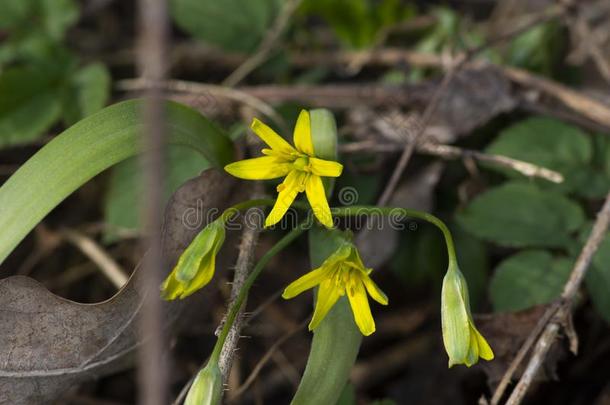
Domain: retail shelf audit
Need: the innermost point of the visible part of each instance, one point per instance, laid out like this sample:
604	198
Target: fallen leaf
50	344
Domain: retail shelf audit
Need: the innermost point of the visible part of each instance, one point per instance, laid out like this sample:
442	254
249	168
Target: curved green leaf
336	340
85	150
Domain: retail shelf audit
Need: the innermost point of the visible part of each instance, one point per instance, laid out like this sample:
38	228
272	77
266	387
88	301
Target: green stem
281	244
360	210
401	212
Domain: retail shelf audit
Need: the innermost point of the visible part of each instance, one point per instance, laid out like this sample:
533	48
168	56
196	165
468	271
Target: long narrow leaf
85	150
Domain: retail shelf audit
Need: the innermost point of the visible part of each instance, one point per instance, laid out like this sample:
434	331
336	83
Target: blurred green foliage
233	25
41	81
357	23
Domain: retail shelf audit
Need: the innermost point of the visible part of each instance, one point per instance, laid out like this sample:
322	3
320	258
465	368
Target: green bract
207	387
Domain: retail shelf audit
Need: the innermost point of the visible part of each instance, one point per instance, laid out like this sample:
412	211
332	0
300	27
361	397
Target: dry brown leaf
50	344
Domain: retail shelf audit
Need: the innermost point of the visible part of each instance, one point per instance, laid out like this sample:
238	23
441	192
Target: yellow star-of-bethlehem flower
303	170
341	273
463	342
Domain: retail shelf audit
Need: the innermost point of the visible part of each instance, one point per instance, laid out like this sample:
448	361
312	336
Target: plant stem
281	244
357	210
401	212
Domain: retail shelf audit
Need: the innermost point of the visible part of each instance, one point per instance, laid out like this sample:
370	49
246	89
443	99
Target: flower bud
196	265
463	342
207	387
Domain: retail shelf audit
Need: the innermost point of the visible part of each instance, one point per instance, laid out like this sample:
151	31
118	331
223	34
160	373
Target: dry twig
242	269
454	152
98	255
265	359
551	330
152	369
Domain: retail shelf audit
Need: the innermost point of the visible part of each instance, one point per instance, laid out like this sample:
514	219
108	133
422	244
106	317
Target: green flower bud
463	342
207	387
196	265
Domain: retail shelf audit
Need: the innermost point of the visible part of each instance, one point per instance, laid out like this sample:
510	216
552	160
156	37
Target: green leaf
125	189
521	215
85	150
336	340
528	278
29	105
474	264
598	276
348	396
86	93
549	143
537	49
53	17
235	25
56	15
358	22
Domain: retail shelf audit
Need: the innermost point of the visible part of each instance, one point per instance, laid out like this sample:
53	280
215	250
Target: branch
550	332
454	152
152	365
109	267
242	269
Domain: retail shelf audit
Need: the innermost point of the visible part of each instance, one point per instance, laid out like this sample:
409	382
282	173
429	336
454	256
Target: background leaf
125	189
521	215
528	278
87	92
29	105
549	143
85	150
236	25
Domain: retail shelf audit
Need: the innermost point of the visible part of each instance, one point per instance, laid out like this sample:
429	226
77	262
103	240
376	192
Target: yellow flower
463	342
341	273
196	265
303	170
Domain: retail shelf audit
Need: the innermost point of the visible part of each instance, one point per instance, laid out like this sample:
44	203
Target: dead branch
454	152
552	328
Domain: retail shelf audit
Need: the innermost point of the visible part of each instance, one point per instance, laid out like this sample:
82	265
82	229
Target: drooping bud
207	387
463	342
195	267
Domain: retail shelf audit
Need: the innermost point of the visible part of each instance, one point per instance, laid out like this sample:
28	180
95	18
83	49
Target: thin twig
423	124
266	46
152	364
185	389
265	359
454	152
209	90
243	266
547	338
523	350
109	267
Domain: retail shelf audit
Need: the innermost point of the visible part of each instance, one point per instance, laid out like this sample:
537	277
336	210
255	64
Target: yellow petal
360	307
302	134
270	137
374	291
305	282
317	199
328	294
485	351
290	189
171	288
325	168
261	168
203	277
